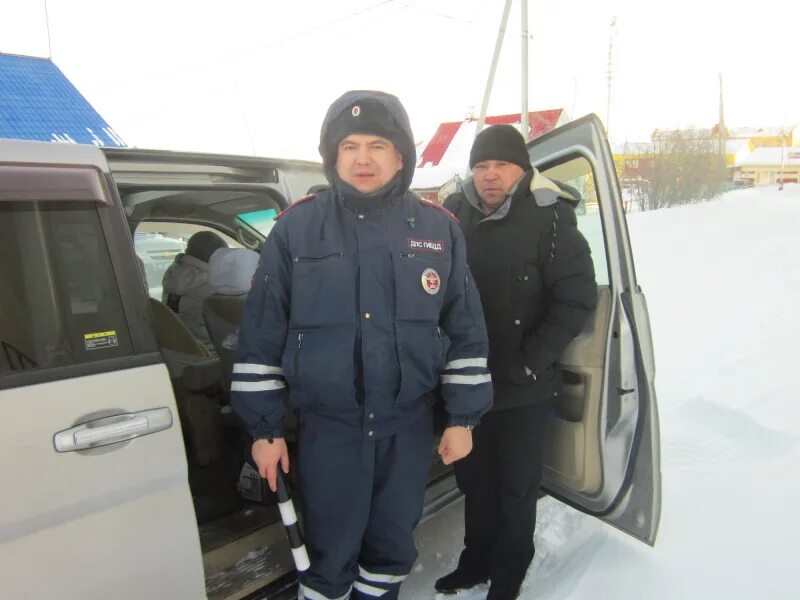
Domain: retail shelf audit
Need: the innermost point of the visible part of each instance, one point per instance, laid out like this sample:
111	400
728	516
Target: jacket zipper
263	303
297	355
441	343
466	294
299	259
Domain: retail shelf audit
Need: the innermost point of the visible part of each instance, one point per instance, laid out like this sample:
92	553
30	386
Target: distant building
752	154
38	102
444	159
763	155
633	160
765	137
768	166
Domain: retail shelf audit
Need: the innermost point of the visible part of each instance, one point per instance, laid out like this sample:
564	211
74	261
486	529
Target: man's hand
456	444
267	455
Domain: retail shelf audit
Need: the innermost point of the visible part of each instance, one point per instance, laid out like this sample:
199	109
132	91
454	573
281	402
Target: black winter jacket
535	275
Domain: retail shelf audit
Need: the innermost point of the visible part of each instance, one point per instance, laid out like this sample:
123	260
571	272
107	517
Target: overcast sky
255	77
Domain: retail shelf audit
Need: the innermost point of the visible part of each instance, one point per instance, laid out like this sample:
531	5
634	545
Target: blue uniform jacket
392	280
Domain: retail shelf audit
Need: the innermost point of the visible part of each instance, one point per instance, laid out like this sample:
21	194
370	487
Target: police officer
536	278
362	305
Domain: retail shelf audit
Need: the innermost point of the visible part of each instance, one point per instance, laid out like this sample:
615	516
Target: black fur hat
368	112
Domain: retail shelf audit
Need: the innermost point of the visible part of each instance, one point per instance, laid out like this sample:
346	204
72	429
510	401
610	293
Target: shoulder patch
438	207
295	203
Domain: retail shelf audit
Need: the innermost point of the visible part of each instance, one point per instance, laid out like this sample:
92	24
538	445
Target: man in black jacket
534	272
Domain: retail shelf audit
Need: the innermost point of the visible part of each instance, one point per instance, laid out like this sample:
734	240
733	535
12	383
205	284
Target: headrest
230	270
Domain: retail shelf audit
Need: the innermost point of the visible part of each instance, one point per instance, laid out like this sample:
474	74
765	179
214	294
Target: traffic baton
289	518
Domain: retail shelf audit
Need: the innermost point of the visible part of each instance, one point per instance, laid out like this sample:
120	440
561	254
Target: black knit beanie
203	244
500	142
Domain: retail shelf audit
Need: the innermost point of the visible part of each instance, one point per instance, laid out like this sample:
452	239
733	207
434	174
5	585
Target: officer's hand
456	444
267	456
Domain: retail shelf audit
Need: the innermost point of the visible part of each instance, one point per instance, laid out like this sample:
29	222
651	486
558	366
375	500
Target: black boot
460	579
498	591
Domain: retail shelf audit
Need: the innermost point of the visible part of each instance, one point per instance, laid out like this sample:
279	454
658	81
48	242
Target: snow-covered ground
722	281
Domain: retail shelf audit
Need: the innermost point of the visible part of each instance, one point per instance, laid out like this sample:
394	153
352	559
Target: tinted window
59	302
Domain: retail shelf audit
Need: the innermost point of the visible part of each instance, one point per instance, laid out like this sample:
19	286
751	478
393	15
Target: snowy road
722	281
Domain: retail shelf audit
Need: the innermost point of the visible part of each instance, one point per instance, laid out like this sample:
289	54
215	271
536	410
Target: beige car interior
572	449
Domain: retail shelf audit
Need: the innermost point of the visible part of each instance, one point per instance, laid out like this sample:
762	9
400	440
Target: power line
235	55
610	72
316	28
442	15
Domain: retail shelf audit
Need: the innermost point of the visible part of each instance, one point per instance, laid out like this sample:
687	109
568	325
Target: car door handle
110	430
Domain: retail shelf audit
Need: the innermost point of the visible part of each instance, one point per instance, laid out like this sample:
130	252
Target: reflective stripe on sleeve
463	363
257	386
466	379
256	369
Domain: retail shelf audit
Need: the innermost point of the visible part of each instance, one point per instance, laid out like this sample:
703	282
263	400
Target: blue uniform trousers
362	498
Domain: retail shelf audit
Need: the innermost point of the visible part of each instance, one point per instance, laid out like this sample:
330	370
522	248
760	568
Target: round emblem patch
356	111
430	281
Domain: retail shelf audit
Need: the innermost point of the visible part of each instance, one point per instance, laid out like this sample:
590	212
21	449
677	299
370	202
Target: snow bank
722	281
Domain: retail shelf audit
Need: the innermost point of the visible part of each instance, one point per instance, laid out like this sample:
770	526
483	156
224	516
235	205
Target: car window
158	243
59	301
261	220
577	172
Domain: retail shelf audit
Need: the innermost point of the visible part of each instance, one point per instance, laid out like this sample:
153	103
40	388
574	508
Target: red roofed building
446	154
539	123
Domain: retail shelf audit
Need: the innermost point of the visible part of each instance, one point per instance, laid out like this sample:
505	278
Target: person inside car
186	283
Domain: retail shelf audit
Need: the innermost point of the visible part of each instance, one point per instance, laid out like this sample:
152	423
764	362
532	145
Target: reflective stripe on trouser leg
377	585
306	593
370	577
388	551
335	474
365	589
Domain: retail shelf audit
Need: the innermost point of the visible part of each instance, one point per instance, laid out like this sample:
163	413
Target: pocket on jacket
526	282
323	289
505	358
318	366
422	350
420	281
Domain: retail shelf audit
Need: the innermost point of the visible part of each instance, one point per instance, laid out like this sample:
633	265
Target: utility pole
721	136
783	156
610	73
47	24
524	111
490	80
721	132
